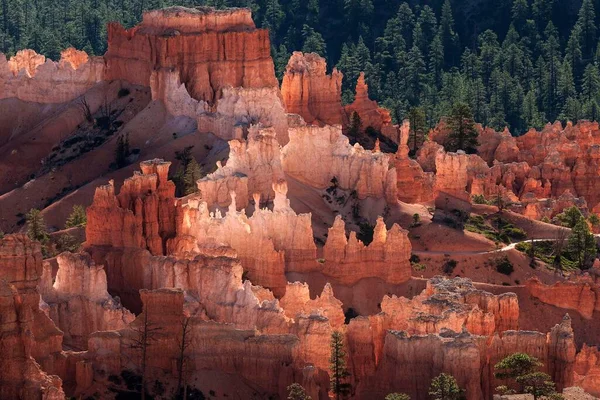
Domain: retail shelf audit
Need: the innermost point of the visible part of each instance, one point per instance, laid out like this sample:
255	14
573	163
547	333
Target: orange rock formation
211	49
307	90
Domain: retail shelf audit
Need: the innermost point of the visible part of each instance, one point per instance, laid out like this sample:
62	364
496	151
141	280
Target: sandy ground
150	129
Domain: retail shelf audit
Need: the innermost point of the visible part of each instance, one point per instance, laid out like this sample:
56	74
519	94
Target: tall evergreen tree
337	367
448	35
463	135
586	22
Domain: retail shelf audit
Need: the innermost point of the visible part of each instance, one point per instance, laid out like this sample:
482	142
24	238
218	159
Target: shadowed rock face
29	342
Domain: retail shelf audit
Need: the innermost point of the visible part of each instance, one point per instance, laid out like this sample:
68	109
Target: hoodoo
176	223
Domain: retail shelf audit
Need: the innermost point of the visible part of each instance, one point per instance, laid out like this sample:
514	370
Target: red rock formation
411	362
538	165
297	302
371	115
349	260
452	304
414	185
253	166
307	90
587	370
142	215
266	243
78	301
29	342
582	295
271	362
211	49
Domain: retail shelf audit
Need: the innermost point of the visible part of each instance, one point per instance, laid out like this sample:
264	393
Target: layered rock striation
31	77
310	92
78	300
315	155
212	49
30	344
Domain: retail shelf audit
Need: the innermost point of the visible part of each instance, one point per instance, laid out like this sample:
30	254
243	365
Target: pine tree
280	59
521	369
36	226
463	135
337	366
416	116
416	74
566	83
297	392
193	172
77	217
590	82
273	16
586	22
531	115
313	41
448	36
355	126
573	50
444	387
582	244
542	12
519	12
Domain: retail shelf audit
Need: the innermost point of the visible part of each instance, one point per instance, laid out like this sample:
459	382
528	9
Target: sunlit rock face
211	49
31	77
308	91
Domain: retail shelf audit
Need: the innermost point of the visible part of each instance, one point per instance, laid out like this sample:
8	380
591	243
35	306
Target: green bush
449	266
504	266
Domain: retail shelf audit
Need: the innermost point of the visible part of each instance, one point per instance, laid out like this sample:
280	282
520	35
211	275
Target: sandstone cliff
30	344
348	260
252	167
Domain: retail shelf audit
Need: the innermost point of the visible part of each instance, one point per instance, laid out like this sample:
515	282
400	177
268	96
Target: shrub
416	219
504	266
123	92
449	266
67	242
514	233
480	199
77	217
415	259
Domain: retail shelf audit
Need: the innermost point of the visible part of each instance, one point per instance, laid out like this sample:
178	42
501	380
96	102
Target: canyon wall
30	344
